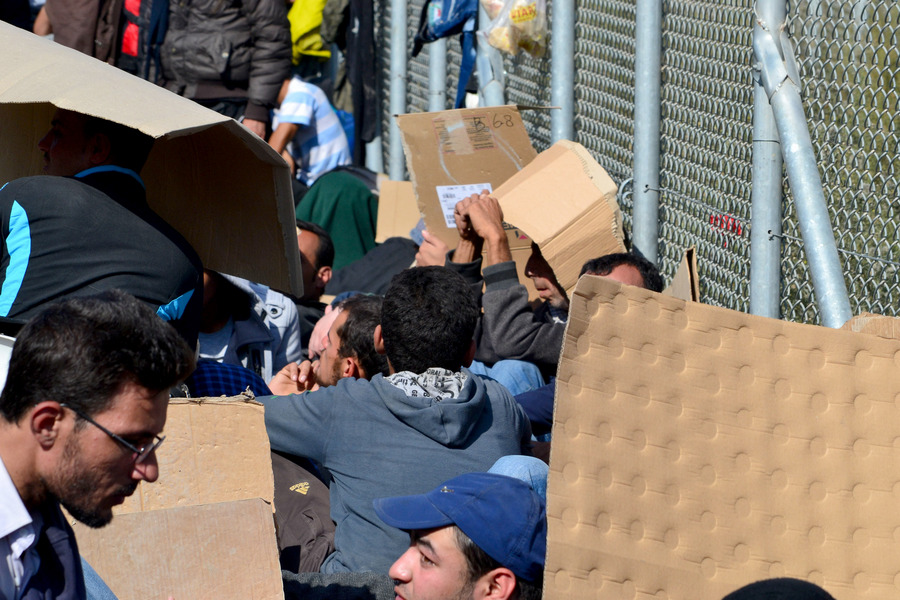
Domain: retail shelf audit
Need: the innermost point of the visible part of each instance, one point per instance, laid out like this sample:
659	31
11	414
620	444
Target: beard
77	487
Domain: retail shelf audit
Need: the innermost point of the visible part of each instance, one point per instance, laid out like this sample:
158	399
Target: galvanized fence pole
437	75
780	78
488	66
647	61
562	71
766	195
398	86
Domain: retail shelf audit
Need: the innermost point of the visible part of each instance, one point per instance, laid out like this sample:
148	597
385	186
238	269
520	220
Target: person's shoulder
45	190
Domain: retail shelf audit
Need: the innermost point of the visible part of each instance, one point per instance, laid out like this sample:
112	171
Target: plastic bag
517	25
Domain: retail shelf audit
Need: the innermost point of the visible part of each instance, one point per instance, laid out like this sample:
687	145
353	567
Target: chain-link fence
849	57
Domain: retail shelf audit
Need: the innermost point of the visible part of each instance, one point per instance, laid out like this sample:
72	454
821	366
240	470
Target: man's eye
426	561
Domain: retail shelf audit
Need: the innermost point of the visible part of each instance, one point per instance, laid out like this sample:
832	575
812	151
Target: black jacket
228	49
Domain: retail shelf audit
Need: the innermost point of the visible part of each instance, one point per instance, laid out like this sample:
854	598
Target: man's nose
44	143
148	470
400	571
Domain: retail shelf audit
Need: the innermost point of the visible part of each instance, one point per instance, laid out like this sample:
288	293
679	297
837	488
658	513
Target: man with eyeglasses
81	417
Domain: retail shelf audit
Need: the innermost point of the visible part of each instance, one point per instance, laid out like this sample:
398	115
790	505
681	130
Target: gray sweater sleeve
513	328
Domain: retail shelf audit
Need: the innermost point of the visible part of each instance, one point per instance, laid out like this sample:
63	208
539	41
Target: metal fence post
647	75
780	79
489	66
437	75
398	86
766	194
562	71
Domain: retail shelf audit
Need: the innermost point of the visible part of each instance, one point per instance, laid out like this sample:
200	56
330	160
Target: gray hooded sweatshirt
377	442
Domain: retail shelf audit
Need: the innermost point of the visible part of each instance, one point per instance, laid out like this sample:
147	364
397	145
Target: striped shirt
320	144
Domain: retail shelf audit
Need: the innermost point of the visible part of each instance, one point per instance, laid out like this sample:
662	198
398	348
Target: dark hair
83	350
428	319
363	315
325	251
129	147
605	264
478	563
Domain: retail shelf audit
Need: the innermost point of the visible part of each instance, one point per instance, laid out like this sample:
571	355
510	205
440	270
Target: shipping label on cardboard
480	147
450	195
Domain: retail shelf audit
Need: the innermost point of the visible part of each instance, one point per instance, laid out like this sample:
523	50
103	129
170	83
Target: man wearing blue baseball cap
479	535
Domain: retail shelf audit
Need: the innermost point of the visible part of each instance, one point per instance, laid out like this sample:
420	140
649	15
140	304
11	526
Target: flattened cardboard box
698	449
466	147
205	529
685	284
398	212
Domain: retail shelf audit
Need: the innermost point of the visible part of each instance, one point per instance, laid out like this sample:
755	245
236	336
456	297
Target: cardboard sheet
698	449
685	284
566	203
215	450
223	551
465	148
208	176
398	212
886	327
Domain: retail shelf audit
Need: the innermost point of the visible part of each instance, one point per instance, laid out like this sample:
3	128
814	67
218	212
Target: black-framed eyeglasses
141	454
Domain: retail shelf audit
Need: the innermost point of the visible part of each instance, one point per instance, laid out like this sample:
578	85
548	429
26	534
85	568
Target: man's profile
476	536
81	418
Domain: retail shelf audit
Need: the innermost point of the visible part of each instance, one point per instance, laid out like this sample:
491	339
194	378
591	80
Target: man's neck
16	451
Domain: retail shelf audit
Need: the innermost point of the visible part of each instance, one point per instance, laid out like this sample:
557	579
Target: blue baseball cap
502	515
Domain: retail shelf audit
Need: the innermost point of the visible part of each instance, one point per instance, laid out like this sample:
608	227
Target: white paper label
449	195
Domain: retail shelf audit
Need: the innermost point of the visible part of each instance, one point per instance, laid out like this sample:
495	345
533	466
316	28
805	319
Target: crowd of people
420	401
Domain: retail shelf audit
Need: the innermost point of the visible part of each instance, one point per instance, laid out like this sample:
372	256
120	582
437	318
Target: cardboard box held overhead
698	449
566	203
207	175
456	153
205	529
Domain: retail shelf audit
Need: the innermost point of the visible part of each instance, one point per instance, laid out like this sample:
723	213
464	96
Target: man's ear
498	584
350	368
100	148
323	276
378	340
44	421
470	355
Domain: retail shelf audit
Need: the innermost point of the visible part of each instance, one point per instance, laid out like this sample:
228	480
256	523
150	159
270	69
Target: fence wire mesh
849	57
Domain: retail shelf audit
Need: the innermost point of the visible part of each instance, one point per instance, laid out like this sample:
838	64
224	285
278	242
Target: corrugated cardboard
466	147
697	449
685	284
886	327
566	203
207	552
208	176
398	212
216	450
205	529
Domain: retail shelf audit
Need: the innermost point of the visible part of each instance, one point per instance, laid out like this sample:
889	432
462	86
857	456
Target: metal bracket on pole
780	79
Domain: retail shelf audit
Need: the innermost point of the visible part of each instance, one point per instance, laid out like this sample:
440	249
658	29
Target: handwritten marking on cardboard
465	135
449	195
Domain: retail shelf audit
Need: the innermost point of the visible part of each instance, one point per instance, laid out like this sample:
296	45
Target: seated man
479	535
349	350
247	324
316	260
88	228
510	328
429	420
80	416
